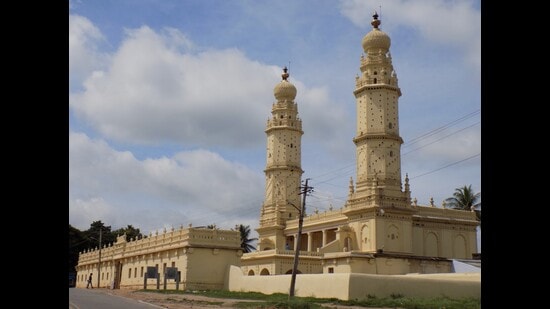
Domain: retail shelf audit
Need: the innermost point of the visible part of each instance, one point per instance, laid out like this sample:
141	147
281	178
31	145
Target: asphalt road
101	299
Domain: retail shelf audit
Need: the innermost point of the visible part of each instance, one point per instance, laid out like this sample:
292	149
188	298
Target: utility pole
99	260
305	190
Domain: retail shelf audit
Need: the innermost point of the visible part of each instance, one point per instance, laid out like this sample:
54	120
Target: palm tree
245	241
465	199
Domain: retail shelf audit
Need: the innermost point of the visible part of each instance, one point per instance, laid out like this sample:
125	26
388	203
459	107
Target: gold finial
375	22
285	75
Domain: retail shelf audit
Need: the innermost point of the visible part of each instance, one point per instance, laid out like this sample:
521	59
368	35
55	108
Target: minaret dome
285	90
376	39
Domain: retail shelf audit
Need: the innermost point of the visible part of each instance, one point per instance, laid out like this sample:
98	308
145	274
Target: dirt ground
176	301
185	301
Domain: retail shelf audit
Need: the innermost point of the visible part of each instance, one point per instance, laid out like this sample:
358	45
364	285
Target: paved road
101	299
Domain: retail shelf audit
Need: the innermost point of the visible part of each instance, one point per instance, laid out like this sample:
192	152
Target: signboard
151	272
171	273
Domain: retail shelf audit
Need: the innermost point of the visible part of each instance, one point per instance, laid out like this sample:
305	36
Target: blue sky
169	100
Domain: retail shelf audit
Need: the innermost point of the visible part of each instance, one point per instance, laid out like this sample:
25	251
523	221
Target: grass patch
399	301
280	301
286	304
194	301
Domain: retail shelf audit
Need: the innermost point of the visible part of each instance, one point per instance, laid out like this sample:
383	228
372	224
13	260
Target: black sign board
151	272
171	273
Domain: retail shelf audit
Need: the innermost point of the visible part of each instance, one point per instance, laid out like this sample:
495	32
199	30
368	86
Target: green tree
245	241
464	198
92	234
80	241
130	231
77	244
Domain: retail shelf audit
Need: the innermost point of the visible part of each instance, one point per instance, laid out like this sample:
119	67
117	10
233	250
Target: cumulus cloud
452	23
156	91
158	87
120	189
83	211
84	55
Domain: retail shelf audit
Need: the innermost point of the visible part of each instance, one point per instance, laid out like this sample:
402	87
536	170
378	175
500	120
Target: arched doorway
251	272
264	272
459	247
431	247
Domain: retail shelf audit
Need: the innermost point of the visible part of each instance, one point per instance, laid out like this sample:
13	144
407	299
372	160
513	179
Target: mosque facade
379	230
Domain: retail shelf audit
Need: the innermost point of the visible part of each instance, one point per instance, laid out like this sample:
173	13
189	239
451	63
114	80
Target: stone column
324	238
309	241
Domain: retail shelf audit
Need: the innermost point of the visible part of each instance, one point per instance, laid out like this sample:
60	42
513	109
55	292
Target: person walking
89	281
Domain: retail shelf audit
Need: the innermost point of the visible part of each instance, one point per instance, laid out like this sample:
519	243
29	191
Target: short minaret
283	170
377	140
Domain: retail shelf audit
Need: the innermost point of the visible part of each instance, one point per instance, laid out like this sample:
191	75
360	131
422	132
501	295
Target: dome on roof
285	90
376	39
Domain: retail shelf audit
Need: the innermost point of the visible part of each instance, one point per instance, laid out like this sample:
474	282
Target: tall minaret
283	170
377	140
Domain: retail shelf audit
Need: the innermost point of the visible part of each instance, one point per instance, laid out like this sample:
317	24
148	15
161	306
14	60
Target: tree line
89	239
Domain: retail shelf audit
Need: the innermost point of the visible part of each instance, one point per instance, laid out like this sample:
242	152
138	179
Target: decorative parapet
362	84
292	123
326	216
377	135
284	105
430	212
379	200
189	237
273	252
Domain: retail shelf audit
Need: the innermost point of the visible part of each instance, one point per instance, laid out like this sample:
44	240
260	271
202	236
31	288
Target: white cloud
84	56
83	211
453	23
120	189
154	93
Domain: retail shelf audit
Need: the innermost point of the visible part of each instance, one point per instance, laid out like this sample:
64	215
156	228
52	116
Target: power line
411	142
437	140
334	177
334	171
451	164
442	128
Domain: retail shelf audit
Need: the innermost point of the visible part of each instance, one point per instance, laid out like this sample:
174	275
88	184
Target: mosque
379	230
